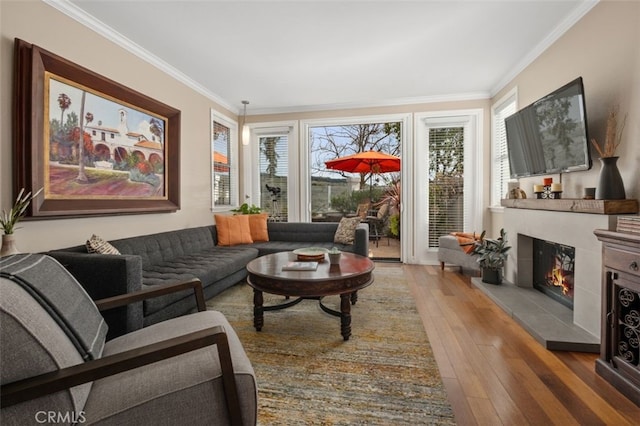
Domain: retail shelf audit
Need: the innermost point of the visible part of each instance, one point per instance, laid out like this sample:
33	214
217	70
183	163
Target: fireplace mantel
575	205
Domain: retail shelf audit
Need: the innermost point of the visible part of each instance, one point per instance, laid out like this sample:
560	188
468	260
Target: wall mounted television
550	135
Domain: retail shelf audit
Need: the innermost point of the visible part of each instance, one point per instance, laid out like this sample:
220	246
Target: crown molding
557	32
109	33
374	104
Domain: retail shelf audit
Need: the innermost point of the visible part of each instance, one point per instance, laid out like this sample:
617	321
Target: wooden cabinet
619	361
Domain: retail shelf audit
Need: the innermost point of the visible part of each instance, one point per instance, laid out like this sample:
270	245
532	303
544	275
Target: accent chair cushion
346	232
186	389
33	344
258	227
233	230
60	294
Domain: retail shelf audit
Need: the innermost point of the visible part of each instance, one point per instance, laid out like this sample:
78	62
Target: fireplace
553	270
570	228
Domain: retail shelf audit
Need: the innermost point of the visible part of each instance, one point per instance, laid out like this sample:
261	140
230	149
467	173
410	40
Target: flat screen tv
550	135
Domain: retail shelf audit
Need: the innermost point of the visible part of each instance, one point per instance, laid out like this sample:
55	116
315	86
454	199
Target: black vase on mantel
610	185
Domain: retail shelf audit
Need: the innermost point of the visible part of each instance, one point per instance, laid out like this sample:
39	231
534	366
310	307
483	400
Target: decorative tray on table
316	254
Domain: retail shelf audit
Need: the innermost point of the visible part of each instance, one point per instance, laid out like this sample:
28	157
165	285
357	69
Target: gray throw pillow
346	232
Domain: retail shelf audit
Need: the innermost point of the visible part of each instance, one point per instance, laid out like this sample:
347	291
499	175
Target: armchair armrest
160	290
105	275
48	383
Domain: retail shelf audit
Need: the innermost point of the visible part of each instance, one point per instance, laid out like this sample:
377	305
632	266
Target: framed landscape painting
95	146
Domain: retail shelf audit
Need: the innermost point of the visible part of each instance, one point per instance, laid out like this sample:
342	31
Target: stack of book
628	224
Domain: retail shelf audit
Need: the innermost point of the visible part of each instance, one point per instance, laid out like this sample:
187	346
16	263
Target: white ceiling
302	55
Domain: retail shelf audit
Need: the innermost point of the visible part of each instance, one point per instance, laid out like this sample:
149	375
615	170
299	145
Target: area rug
306	373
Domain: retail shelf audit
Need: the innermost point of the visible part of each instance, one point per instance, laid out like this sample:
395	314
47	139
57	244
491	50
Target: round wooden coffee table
266	275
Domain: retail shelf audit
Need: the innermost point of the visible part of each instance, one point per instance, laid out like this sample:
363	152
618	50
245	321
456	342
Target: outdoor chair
55	360
361	211
377	220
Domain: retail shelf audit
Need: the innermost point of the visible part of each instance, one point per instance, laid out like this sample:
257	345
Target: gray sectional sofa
173	256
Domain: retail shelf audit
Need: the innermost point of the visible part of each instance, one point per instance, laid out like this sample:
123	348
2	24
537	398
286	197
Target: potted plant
492	254
247	209
9	220
334	256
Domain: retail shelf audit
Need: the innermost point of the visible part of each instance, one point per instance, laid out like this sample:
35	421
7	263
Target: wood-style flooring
495	373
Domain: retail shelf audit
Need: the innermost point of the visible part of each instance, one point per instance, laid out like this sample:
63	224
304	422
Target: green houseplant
492	255
247	209
9	220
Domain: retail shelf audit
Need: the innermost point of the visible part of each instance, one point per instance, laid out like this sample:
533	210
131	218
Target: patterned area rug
385	374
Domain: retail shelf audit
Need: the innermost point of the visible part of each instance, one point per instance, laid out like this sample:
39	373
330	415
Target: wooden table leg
354	297
258	310
345	315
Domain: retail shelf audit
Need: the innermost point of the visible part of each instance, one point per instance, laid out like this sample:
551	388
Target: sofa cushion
209	266
233	230
163	246
258	227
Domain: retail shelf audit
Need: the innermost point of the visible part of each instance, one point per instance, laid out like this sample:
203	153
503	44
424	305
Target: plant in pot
247	209
492	254
9	220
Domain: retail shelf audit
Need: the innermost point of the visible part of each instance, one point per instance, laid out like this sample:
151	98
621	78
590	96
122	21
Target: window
448	193
340	191
224	175
273	163
446	182
500	173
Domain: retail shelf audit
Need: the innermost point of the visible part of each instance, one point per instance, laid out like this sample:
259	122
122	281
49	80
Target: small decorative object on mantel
589	193
492	255
10	219
556	190
610	185
548	190
514	191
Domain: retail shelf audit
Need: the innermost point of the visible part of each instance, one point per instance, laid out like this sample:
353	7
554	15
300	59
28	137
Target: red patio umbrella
366	162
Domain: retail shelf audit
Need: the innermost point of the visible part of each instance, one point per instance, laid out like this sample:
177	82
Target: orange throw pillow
233	230
466	240
258	227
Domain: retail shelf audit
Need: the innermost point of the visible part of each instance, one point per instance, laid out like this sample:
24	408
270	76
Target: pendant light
245	129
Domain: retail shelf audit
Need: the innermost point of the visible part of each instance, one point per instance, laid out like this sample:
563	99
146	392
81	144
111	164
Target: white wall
39	24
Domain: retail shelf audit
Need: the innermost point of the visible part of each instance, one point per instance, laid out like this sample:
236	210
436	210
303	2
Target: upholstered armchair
56	364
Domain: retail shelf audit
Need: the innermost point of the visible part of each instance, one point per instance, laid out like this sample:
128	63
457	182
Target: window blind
446	182
274	171
500	173
223	184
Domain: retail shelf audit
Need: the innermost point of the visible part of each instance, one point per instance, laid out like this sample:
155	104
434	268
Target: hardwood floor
495	373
